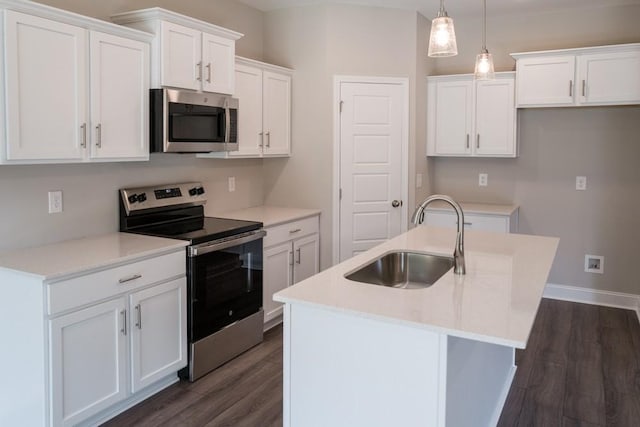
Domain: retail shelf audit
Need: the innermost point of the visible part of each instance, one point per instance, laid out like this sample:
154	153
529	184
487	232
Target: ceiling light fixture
484	60
442	41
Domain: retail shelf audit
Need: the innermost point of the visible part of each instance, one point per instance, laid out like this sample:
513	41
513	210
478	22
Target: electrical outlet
483	179
232	184
581	183
418	180
594	264
55	201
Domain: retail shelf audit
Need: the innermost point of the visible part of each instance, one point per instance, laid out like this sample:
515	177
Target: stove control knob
133	198
200	190
193	191
142	197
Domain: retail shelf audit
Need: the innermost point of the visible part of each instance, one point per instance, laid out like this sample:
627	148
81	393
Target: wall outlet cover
55	201
232	184
483	179
581	183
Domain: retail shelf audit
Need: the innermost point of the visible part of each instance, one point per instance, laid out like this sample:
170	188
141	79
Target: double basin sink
402	269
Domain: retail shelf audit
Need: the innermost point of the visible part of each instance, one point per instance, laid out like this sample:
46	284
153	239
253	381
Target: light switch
232	184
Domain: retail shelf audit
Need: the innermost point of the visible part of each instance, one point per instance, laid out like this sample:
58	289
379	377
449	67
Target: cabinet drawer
92	287
291	230
471	221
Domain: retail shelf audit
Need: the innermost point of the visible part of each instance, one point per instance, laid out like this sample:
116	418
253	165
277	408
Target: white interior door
371	167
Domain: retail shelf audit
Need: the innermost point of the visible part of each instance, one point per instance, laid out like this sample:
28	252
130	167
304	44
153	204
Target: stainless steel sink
406	270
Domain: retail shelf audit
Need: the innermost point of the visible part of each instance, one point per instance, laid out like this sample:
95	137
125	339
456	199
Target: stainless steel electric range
224	269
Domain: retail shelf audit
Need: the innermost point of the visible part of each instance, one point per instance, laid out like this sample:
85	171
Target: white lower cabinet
101	340
504	220
88	362
291	254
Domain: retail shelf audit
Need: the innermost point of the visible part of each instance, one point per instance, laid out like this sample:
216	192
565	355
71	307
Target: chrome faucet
458	252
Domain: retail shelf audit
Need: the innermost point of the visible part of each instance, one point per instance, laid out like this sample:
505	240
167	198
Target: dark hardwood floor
581	368
245	392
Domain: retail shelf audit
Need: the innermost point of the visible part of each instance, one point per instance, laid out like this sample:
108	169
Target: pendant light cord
484	25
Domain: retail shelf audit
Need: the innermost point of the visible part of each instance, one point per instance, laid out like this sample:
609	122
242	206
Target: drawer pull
130	279
467	223
298	260
297	230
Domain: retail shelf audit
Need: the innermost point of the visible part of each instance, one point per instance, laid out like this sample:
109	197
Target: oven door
225	283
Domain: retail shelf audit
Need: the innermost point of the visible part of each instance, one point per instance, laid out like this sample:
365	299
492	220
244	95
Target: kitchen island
357	354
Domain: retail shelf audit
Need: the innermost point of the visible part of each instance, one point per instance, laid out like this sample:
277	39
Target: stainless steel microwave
192	122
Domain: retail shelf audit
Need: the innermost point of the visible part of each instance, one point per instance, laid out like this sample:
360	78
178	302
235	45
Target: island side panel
346	370
479	376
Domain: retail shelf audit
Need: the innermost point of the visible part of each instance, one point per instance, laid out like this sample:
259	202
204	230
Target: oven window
226	286
192	123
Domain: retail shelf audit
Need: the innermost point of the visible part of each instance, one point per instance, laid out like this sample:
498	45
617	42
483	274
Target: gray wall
320	42
556	145
90	190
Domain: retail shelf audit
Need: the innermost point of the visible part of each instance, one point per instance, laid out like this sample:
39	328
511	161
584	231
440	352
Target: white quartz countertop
270	215
475	208
496	301
60	260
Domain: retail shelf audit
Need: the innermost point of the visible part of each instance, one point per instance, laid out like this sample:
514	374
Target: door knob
396	203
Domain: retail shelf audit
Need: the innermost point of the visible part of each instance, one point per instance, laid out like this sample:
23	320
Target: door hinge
341	104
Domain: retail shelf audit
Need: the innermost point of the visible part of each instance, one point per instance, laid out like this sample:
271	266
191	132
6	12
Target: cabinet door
249	93
46	71
495	118
181	56
306	255
545	81
88	362
277	276
119	97
609	78
158	332
453	107
218	62
276	111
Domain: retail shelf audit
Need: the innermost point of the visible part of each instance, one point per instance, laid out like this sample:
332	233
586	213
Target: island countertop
495	302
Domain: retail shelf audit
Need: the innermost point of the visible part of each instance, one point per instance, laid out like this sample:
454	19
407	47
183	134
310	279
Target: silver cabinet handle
584	88
261	139
290	257
468	223
297	230
99	136
139	313
209	72
130	278
123	313
478	141
268	139
199	67
570	87
298	256
83	144
467	141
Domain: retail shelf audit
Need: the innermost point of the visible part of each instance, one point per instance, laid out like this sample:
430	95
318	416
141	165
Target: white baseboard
593	296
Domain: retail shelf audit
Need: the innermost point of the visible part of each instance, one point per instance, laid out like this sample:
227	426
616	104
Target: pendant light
484	60
442	41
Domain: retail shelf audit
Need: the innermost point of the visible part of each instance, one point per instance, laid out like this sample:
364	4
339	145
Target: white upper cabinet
187	53
119	97
264	116
466	117
605	75
46	93
75	91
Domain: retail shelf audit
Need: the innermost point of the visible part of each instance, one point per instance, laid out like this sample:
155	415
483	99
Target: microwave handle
227	125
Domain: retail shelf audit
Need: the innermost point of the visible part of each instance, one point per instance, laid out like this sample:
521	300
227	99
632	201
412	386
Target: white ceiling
429	8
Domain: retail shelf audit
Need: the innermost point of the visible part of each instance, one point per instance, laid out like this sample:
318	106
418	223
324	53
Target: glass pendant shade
484	66
442	41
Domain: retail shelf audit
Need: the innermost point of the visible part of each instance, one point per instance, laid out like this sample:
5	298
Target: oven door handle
206	248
